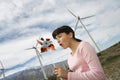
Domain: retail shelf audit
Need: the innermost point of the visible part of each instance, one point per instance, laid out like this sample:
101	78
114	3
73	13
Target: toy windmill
46	44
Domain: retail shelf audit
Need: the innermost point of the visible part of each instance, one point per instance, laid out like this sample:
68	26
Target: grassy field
110	60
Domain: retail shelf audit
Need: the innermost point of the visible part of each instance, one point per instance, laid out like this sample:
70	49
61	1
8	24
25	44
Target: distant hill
36	73
110	60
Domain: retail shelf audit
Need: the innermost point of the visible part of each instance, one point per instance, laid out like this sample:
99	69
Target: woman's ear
71	35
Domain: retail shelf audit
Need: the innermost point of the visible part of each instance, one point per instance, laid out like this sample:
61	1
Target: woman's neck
73	46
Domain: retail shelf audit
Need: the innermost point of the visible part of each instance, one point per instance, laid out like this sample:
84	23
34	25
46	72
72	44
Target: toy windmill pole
2	70
38	53
79	20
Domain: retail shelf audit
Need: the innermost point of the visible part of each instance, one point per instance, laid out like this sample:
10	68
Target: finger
55	68
55	73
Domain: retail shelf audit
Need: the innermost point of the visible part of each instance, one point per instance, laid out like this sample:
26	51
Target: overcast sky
24	21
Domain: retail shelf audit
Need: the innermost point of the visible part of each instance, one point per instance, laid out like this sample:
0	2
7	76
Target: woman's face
63	40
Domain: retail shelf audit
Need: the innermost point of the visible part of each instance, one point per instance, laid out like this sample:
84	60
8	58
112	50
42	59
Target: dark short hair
63	29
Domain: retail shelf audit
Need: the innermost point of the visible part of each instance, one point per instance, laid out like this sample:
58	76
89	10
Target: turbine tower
40	61
79	20
2	69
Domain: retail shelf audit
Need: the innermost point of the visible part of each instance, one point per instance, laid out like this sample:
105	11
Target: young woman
83	61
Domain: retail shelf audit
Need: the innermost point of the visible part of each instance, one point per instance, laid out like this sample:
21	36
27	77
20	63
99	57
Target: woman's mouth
60	44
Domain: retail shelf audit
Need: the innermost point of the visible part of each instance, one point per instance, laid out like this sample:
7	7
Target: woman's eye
59	36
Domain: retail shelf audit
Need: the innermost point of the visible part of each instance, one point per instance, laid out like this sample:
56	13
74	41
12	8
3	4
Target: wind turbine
79	20
39	58
2	69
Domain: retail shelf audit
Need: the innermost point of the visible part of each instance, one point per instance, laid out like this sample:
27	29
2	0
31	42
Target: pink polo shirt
85	64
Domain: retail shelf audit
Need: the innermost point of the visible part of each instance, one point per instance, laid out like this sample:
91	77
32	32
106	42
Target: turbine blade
87	17
76	24
72	13
4	69
29	48
32	48
36	45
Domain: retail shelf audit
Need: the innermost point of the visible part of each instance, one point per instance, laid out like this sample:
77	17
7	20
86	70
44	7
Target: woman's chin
64	47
